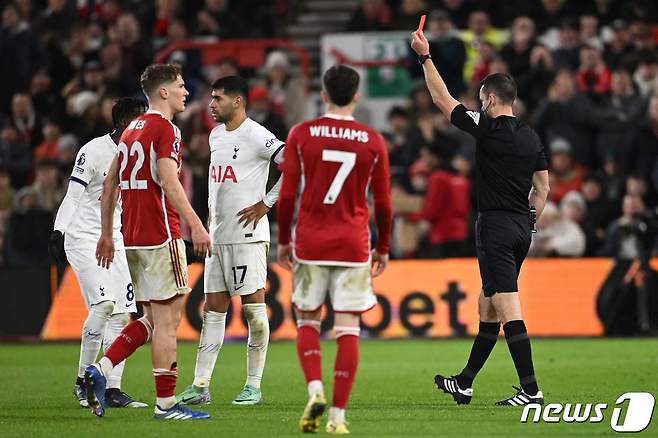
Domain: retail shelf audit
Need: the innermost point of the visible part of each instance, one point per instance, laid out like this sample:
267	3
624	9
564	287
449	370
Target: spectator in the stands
84	108
641	152
599	212
21	54
7	192
48	186
370	16
516	53
566	113
487	55
217	19
15	156
621	111
642	36
446	208
480	31
567	53
459	11
91	78
260	110
550	14
46	102
533	87
68	148
48	148
565	174
25	119
29	226
56	19
573	207
137	48
589	31
557	236
119	78
408	13
447	50
287	89
593	76
619	47
621	238
646	74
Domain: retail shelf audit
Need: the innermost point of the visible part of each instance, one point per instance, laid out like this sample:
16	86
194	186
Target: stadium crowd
587	73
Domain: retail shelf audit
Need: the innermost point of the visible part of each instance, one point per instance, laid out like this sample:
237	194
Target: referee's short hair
502	85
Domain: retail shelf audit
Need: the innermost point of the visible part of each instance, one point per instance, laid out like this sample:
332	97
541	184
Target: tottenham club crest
235	152
81	159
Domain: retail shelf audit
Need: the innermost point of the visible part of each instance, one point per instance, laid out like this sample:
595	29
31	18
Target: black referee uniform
508	153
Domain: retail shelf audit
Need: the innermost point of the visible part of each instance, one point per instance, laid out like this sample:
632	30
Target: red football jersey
149	220
336	159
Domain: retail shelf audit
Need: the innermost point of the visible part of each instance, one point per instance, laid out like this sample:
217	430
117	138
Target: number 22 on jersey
133	183
347	161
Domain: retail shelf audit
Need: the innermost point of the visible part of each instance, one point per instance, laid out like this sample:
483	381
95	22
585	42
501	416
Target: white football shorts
349	287
99	284
239	268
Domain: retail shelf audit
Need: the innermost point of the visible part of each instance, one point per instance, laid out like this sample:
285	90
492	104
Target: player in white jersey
241	151
108	294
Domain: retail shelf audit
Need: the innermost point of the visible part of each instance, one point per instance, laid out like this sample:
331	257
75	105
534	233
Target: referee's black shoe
450	386
521	398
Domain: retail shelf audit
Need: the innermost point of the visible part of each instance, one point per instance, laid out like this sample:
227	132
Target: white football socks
315	387
93	332
114	326
259	337
337	415
212	338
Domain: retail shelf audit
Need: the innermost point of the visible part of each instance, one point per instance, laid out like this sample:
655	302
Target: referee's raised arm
438	89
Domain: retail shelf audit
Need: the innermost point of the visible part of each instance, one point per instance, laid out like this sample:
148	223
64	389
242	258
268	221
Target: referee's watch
423	58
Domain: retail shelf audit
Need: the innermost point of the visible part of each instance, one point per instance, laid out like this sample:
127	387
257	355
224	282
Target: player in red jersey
146	170
336	159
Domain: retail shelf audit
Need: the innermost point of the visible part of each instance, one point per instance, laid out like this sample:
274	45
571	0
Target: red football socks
308	351
165	382
347	359
133	336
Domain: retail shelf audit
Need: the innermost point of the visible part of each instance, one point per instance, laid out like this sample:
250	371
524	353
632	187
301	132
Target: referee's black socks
483	344
519	347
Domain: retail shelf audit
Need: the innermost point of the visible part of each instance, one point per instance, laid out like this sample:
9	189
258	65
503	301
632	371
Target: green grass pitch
394	394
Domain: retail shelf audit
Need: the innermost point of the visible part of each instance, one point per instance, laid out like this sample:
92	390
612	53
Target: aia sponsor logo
220	174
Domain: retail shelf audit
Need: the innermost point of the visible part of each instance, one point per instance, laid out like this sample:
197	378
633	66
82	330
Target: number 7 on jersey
347	161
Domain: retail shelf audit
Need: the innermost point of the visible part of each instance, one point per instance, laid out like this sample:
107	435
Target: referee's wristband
423	58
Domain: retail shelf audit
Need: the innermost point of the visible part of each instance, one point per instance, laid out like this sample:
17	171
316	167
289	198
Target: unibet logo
637	416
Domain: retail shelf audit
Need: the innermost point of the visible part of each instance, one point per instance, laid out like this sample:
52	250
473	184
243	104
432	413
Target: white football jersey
239	168
91	166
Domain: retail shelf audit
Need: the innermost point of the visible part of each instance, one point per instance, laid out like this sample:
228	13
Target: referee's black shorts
502	240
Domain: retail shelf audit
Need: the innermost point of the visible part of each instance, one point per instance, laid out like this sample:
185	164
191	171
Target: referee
512	185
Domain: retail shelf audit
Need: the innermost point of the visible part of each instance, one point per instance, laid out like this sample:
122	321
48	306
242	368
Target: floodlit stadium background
586	73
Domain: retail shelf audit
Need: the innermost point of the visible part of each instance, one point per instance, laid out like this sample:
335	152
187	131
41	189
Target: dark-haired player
241	151
512	186
106	293
335	159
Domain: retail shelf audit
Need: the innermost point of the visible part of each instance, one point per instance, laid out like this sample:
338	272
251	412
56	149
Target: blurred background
587	75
